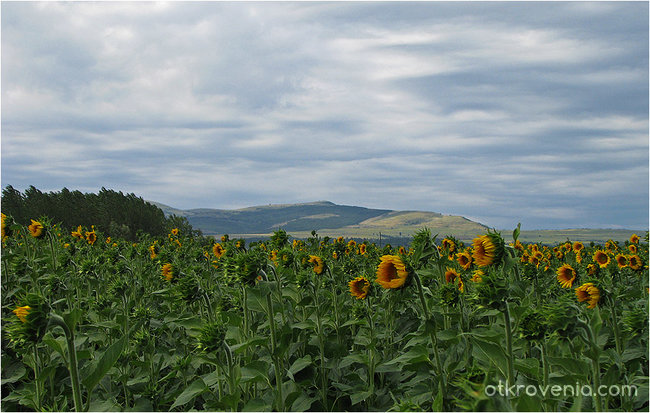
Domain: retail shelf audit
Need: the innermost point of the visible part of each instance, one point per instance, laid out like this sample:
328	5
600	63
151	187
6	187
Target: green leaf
302	403
570	365
417	354
359	397
56	344
255	371
300	364
258	405
437	403
353	358
254	341
596	322
102	367
516	232
72	318
529	367
12	372
195	389
256	300
490	353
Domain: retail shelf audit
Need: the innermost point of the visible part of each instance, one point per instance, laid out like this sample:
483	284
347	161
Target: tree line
113	213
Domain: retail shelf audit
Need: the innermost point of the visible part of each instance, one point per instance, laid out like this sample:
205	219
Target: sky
500	112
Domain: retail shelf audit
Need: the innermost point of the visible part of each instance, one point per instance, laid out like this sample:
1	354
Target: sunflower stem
511	360
274	356
37	373
432	332
321	346
371	356
72	365
51	238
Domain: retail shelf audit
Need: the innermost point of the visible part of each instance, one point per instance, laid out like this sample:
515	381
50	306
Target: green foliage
257	329
115	214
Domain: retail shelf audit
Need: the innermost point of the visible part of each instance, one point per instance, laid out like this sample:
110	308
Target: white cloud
486	110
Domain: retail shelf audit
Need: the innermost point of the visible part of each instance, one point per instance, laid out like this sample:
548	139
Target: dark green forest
113	213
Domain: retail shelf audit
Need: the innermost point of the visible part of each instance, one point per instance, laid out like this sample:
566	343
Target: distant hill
327	218
333	220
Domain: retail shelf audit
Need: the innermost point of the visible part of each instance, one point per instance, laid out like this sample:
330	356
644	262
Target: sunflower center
391	271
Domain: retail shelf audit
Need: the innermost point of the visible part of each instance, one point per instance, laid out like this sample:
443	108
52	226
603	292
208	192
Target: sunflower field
183	322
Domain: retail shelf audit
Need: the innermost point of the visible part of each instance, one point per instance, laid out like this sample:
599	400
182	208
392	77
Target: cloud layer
501	112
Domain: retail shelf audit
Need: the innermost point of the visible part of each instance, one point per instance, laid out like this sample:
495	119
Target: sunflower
635	262
401	251
488	249
362	249
91	237
478	276
5	229
450	275
536	258
359	287
77	233
592	269
566	275
579	257
218	250
391	272
153	250
464	260
578	246
175	232
588	292
634	239
621	261
601	258
632	248
168	272
335	255
448	244
317	263
36	229
22	312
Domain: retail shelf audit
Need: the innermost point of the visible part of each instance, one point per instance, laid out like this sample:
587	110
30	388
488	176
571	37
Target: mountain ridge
325	217
330	219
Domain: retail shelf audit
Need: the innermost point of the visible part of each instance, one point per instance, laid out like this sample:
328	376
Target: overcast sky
501	112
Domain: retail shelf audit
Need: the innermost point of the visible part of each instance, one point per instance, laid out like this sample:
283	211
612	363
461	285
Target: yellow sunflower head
464	260
6	231
451	275
477	277
218	250
362	249
168	272
488	249
635	262
91	237
359	287
601	258
317	264
621	261
578	246
634	239
588	292
22	312
36	229
566	275
391	272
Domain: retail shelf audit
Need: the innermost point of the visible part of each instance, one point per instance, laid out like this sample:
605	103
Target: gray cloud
502	112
